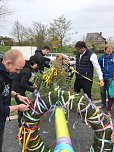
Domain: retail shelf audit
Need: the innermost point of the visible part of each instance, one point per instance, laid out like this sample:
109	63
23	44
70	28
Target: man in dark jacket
41	55
21	82
13	62
86	60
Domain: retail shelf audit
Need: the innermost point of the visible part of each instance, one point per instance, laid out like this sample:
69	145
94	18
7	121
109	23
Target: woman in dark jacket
21	82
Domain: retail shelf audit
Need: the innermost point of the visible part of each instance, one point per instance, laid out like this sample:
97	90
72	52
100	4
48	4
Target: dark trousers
110	103
1	138
84	84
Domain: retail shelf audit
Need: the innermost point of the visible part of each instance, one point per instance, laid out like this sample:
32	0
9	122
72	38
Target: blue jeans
1	138
104	89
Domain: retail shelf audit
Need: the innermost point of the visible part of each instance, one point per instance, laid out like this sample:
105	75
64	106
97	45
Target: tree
59	29
7	41
4	10
19	32
38	34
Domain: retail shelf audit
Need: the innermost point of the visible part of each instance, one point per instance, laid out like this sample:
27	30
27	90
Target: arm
20	107
43	58
69	62
25	83
4	110
112	137
21	98
95	63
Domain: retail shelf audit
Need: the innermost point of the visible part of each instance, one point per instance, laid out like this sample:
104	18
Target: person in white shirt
86	61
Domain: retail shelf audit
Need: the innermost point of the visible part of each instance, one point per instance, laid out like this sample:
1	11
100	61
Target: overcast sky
86	15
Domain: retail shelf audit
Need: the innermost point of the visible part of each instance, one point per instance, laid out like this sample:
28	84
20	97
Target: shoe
109	114
103	106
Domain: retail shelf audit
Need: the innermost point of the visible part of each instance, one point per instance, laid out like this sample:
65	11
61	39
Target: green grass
3	49
95	88
13	102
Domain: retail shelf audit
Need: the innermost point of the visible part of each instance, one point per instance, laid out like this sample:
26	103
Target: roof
96	37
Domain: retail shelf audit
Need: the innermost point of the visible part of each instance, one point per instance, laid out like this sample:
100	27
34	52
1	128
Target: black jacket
44	61
21	82
5	94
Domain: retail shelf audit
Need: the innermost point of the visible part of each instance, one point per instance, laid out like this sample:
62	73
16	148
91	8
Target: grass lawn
13	102
3	49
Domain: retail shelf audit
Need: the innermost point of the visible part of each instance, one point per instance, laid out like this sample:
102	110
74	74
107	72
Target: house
96	40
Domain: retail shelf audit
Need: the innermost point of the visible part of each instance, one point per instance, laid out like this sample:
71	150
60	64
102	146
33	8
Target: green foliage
59	29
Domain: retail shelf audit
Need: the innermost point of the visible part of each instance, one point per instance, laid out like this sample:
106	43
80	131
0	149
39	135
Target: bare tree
38	33
4	10
19	32
59	29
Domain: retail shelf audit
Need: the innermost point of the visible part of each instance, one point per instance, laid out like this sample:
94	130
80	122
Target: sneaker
109	114
103	106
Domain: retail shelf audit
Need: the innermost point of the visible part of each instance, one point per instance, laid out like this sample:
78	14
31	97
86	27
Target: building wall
27	51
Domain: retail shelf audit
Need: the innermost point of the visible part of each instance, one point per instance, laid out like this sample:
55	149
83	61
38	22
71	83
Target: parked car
52	56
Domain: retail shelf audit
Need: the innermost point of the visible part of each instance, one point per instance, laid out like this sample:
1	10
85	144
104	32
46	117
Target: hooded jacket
107	65
5	94
44	61
21	82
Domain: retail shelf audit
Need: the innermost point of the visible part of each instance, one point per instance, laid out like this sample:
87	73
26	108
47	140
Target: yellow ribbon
80	74
47	78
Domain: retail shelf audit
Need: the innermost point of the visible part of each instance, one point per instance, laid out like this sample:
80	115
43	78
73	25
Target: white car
52	56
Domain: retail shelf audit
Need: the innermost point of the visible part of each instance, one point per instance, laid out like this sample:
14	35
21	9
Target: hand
34	86
101	83
65	62
23	107
23	99
112	137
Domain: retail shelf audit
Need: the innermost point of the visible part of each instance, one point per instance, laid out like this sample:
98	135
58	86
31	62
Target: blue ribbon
62	146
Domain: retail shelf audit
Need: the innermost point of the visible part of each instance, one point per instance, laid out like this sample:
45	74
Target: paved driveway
82	135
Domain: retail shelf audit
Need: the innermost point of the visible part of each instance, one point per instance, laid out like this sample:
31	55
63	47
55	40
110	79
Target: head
80	47
13	61
36	51
108	50
45	50
34	62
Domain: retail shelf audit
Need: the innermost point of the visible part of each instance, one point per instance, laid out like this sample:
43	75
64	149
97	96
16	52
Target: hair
34	60
45	47
12	55
80	44
37	51
107	47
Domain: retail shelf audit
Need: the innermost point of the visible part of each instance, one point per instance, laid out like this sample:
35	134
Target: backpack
111	89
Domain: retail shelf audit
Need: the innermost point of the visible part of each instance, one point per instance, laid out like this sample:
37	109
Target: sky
87	16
